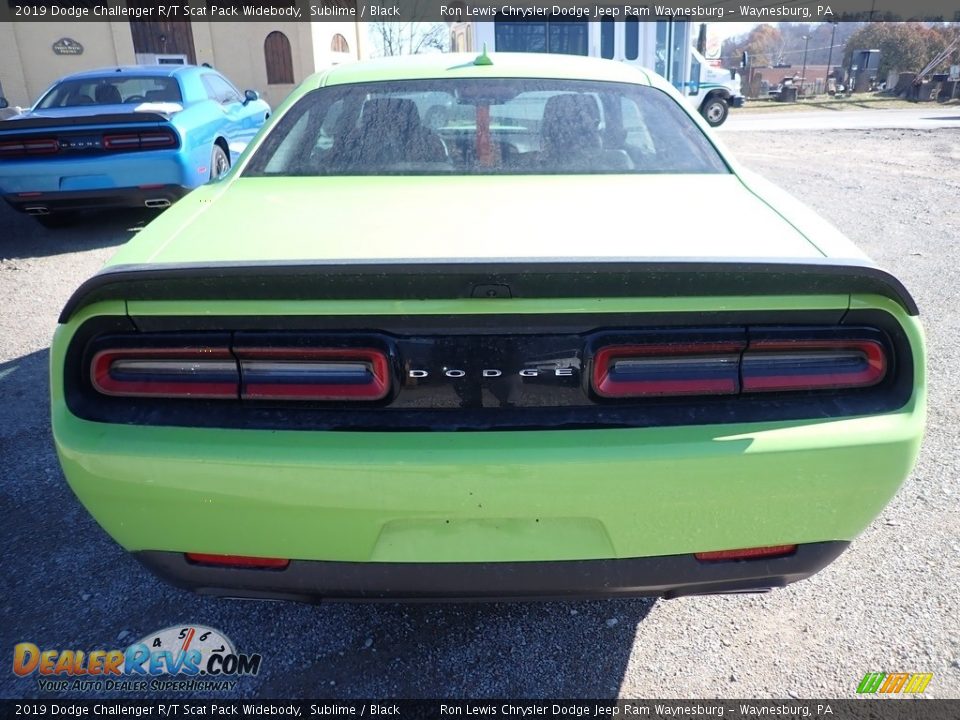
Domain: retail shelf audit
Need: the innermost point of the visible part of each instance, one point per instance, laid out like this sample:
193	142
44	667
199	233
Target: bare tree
408	38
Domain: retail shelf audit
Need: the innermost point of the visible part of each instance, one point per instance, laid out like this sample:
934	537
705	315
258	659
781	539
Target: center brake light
248	373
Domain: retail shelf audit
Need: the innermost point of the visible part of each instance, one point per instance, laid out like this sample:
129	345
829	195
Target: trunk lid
528	218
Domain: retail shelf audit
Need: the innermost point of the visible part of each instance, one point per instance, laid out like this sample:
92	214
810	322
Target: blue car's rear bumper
40	203
100	178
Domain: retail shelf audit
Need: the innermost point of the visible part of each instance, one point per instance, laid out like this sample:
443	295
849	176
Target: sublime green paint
487	496
403	218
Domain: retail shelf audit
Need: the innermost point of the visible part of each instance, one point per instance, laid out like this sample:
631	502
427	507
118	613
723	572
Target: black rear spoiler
447	279
110	119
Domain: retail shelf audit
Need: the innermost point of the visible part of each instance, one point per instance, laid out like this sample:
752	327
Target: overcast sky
723	30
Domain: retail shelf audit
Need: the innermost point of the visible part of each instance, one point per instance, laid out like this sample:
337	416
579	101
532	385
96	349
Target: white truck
665	47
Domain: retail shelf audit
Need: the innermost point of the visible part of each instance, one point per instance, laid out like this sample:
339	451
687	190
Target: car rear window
111	90
482	126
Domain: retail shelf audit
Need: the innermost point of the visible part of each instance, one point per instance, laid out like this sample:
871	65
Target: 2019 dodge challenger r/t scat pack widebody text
450	328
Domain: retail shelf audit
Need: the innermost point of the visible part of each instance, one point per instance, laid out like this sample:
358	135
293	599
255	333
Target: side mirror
250	96
3	103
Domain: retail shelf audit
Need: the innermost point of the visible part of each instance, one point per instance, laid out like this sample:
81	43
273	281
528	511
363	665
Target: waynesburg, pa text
459	11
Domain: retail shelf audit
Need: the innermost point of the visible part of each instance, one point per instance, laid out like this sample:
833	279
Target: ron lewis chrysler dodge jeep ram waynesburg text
446	330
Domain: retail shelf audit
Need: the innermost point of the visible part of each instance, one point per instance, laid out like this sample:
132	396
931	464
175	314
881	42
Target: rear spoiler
448	279
109	119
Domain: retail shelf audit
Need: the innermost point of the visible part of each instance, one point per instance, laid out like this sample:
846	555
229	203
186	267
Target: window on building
606	38
339	44
660	64
279	58
632	45
568	38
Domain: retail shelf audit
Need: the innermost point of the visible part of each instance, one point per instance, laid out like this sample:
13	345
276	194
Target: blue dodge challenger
124	137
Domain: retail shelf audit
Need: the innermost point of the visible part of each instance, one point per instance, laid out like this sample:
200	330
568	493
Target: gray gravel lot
891	603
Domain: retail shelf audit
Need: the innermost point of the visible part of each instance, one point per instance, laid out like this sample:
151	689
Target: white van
662	46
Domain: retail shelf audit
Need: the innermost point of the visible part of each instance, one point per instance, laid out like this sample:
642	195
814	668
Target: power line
785	52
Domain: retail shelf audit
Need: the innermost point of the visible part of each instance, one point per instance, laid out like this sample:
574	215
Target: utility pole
833	36
803	73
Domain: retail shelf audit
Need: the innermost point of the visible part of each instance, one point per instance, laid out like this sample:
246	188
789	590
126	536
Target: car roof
139	70
501	65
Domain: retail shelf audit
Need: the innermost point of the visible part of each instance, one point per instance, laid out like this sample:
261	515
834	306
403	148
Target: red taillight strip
42	146
348	374
166	373
157	139
773	365
121	142
770	551
139	141
238	561
707	368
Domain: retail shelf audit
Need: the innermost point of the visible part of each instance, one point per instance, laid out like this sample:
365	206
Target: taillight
157	139
250	373
770	551
121	142
41	146
780	365
329	374
708	368
238	561
139	141
202	372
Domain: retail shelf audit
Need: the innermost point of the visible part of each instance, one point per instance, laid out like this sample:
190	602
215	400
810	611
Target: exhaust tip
36	210
157	203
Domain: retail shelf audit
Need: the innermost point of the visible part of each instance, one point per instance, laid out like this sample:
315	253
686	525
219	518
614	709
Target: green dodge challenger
470	327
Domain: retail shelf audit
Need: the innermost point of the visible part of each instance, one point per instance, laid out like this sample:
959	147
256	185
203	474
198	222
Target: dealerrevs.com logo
178	658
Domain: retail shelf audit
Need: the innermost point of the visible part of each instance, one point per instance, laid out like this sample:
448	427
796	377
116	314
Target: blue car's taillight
32	146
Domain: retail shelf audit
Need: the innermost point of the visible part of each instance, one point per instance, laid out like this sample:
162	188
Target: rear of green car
325	380
485	512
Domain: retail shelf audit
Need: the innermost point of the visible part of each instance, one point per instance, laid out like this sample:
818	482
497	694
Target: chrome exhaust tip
157	203
36	210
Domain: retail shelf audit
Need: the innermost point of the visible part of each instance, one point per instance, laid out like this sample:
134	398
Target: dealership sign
67	46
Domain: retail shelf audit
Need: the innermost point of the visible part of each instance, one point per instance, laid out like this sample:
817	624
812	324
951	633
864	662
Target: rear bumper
485	497
37	203
105	173
669	576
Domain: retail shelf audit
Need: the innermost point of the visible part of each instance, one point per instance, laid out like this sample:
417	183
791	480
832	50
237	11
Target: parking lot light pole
833	36
803	73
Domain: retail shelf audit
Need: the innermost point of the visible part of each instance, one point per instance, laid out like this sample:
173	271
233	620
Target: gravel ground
890	603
